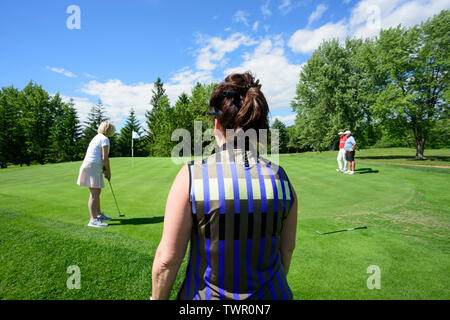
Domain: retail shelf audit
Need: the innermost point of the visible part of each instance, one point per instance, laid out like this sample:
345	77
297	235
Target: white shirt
94	151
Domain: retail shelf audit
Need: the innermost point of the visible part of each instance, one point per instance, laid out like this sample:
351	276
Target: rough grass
43	217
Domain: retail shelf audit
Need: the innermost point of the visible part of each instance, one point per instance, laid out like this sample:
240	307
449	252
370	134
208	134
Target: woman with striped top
237	210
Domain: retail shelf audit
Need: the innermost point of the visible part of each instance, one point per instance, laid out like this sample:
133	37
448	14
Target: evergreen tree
198	106
183	112
66	132
282	135
113	145
73	131
96	116
159	122
124	141
38	113
12	134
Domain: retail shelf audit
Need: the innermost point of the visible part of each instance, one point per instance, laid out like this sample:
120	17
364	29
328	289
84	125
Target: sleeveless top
239	202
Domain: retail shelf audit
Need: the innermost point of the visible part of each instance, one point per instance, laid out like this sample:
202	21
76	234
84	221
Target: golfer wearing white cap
349	147
341	154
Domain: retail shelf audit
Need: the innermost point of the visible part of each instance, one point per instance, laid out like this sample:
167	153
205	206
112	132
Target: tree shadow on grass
412	158
366	170
136	221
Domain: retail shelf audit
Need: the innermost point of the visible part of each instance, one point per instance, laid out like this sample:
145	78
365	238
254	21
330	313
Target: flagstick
132	151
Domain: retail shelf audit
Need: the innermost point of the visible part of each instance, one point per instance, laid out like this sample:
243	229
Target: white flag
134	135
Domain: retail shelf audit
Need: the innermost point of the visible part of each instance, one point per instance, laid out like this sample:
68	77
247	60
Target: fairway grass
43	218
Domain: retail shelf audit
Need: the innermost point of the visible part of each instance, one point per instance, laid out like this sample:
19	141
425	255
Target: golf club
351	229
115	200
112	191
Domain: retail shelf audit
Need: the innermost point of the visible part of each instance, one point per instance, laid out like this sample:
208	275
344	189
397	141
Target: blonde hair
106	128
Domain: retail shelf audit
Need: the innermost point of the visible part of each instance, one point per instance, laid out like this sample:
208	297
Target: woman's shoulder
275	168
102	137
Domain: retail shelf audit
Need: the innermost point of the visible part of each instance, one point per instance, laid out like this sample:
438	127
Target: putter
351	229
115	200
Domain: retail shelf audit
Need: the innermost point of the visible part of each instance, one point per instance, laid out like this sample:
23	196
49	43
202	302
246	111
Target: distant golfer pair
346	153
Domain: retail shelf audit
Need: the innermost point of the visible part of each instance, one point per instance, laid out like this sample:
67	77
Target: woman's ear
218	131
217	126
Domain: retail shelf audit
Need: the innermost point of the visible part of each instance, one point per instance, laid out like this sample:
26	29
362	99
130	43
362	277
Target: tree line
36	127
390	91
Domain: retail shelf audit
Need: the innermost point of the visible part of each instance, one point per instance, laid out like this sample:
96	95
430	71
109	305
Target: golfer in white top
91	172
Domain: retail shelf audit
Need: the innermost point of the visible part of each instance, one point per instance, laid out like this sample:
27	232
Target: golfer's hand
108	175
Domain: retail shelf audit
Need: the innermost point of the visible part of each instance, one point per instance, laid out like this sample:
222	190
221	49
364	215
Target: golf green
43	218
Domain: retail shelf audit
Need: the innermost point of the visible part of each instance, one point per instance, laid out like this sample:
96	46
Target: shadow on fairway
365	170
396	157
136	221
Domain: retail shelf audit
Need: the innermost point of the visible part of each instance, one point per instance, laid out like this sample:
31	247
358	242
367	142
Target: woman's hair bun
241	103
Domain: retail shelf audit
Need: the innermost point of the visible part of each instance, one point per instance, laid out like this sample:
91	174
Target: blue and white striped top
239	203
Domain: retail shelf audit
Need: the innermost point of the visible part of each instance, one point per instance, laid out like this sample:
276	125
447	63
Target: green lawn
43	217
400	156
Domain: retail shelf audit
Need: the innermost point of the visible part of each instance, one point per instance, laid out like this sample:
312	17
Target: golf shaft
114	196
351	229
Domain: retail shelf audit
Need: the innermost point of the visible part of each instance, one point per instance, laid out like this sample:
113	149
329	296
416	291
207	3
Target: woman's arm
176	234
105	158
288	235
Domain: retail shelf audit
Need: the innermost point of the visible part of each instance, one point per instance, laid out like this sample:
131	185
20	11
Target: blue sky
121	47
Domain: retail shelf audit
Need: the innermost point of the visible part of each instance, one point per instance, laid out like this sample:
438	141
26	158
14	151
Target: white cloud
241	16
61	71
267	59
83	105
118	97
368	16
366	19
89	75
286	6
285	119
184	80
255	26
277	75
306	40
317	14
265	9
187	76
214	49
359	12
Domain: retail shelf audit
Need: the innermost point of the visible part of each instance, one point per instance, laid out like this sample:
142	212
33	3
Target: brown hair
238	102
